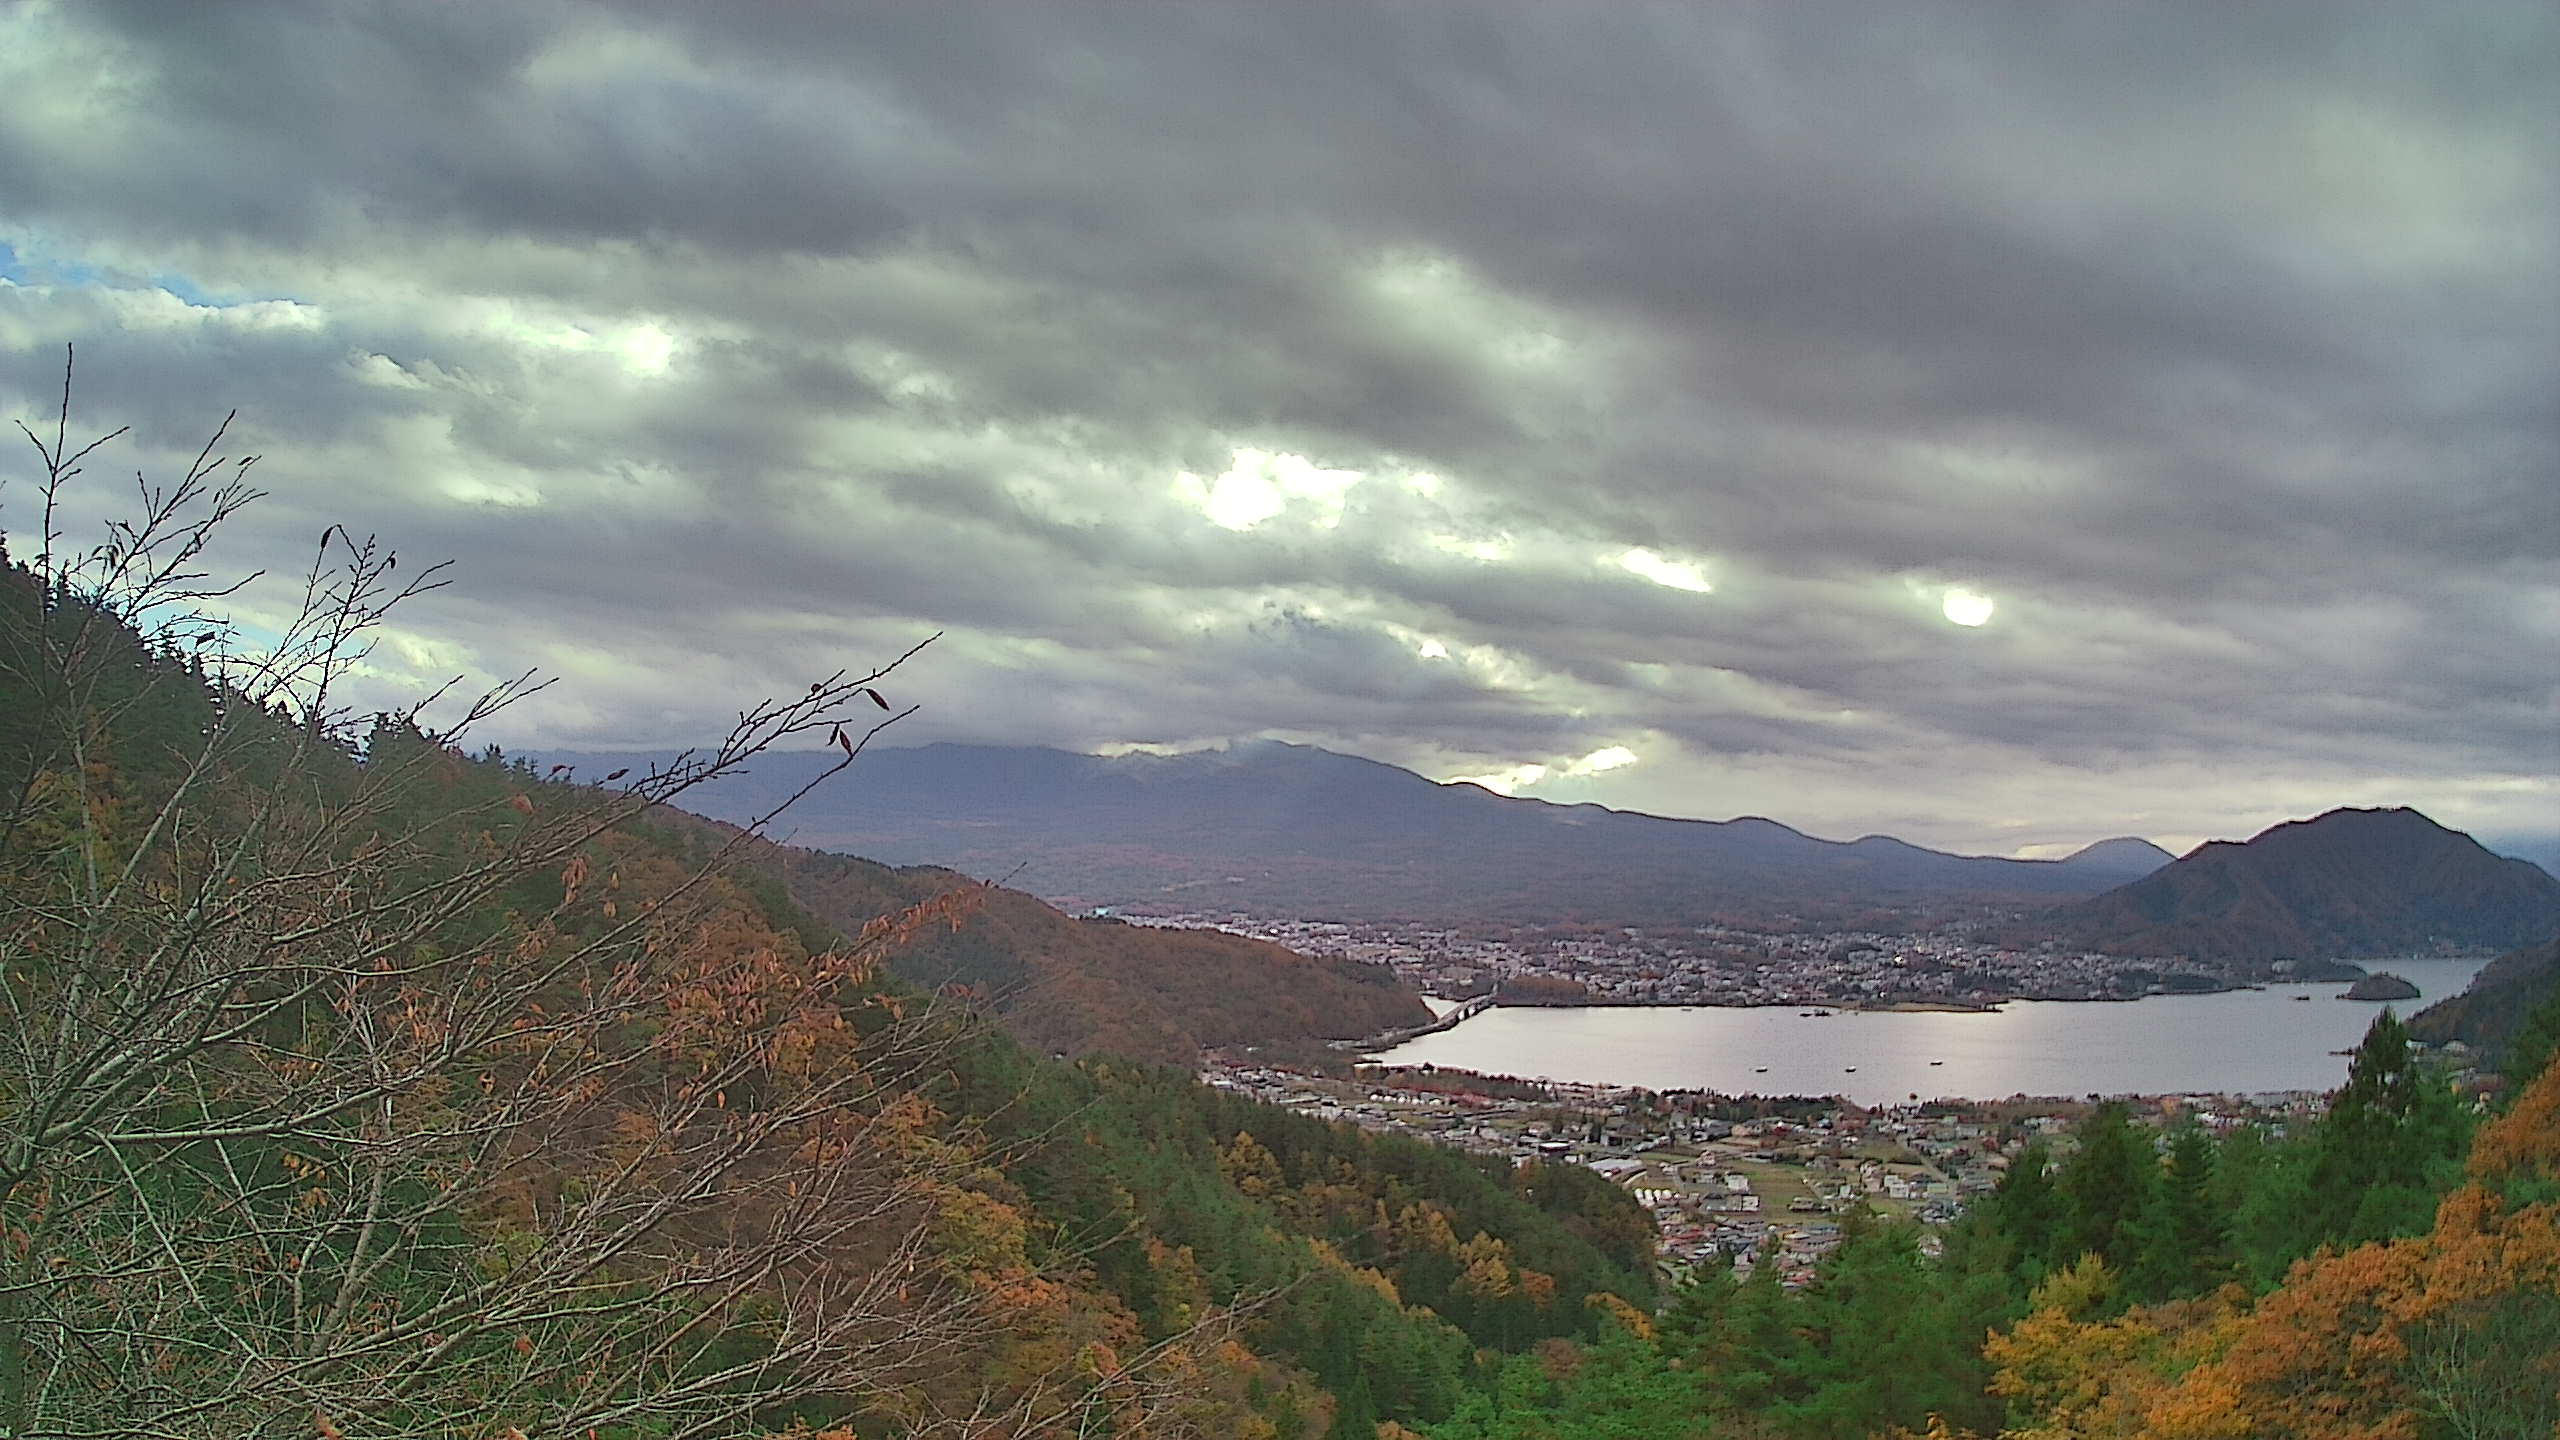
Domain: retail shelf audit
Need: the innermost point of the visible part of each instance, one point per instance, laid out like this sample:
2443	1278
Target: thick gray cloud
1481	388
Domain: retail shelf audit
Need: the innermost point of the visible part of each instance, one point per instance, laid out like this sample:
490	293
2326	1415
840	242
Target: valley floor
1722	1175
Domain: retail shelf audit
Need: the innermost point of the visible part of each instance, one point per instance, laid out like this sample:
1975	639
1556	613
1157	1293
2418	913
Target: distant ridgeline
2348	884
1281	829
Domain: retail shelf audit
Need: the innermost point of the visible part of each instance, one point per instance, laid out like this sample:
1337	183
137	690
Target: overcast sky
2000	426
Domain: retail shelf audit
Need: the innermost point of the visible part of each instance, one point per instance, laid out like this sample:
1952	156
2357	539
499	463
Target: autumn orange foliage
2456	1331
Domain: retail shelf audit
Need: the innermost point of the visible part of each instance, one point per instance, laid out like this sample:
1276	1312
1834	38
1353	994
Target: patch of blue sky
194	294
31	267
24	265
186	288
187	625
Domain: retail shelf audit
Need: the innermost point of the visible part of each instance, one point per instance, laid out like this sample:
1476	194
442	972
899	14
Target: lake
2238	1041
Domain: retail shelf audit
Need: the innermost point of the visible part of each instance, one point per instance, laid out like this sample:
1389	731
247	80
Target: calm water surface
2238	1041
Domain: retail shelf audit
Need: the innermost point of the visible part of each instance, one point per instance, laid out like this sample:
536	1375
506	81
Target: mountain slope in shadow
2347	884
1284	829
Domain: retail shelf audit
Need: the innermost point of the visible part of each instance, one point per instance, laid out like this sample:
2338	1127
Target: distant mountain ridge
2127	856
1290	829
2346	884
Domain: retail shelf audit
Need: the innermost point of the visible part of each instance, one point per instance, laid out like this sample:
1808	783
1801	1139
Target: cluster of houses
1724	965
1729	1188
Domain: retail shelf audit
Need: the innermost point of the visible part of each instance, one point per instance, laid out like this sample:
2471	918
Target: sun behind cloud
1262	484
1671	574
1610	757
1968	608
1504	781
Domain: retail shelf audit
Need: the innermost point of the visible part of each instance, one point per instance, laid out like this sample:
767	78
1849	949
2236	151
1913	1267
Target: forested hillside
1086	986
2512	1004
2349	884
356	1084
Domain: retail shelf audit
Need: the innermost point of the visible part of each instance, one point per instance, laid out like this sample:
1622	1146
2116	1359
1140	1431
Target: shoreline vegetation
1476	1004
1809	1007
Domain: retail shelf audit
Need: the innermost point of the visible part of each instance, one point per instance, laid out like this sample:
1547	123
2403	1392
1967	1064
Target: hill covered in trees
1089	985
353	1083
2500	1005
2347	884
1285	829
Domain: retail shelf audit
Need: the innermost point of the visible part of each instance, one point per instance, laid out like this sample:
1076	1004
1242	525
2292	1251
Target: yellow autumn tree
2458	1328
2082	1375
2454	1332
1250	1166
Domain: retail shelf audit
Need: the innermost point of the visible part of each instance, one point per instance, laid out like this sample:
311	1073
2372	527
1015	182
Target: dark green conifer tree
2105	1187
1879	1350
2263	1184
2534	1043
1355	1413
2029	1211
1755	1345
2184	1239
2390	1144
